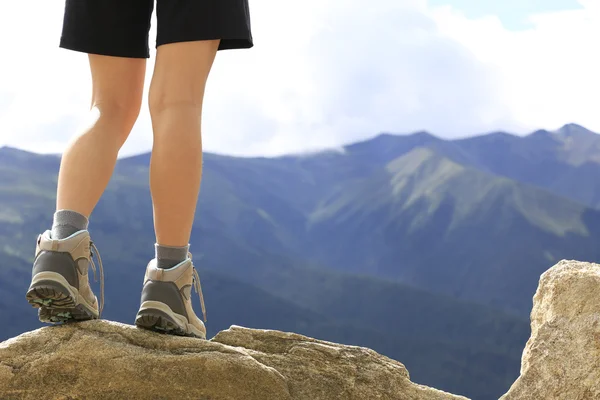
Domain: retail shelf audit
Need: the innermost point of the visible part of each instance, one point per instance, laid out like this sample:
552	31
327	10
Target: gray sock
67	222
168	256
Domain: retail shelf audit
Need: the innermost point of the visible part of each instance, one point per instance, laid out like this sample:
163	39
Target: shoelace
198	287
93	264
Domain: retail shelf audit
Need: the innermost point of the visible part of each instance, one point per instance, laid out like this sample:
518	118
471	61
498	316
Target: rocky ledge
109	360
561	360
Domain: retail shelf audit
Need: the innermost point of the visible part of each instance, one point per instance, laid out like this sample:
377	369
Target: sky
324	73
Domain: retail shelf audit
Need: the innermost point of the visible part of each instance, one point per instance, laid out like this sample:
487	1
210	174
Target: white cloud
325	72
549	73
34	77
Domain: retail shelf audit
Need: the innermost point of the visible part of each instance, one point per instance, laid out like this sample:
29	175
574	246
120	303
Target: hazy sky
328	72
514	14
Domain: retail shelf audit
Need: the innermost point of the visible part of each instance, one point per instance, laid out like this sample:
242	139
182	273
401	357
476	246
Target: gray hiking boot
166	303
60	286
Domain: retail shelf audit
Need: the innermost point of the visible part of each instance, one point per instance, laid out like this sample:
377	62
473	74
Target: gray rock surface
561	360
109	360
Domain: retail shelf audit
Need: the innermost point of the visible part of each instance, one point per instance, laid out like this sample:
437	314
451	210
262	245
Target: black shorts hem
233	44
102	50
225	44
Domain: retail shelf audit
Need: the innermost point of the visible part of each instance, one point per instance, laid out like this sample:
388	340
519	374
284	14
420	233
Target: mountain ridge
439	243
566	129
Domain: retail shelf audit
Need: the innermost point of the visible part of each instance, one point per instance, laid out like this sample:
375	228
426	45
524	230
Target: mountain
566	161
452	223
431	222
249	279
447	216
427	250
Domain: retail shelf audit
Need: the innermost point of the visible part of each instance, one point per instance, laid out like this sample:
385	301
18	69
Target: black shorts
121	27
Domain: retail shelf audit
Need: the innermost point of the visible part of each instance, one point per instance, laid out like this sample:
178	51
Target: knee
118	116
162	100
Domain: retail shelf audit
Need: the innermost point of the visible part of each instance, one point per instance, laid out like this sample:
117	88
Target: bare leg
176	96
60	284
89	161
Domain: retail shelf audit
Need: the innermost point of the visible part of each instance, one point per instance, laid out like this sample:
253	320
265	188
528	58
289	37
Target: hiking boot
166	304
60	287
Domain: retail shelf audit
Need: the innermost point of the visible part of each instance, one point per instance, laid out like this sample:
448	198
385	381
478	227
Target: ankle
67	222
170	256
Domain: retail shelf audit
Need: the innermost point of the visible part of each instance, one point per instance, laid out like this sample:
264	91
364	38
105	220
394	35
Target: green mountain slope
433	223
566	162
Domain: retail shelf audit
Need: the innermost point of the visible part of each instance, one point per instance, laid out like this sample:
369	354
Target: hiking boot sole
159	317
58	302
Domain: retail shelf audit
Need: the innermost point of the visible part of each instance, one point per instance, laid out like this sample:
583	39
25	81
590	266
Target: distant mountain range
427	250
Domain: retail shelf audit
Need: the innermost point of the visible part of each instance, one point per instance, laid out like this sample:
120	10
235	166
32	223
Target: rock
109	360
562	357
